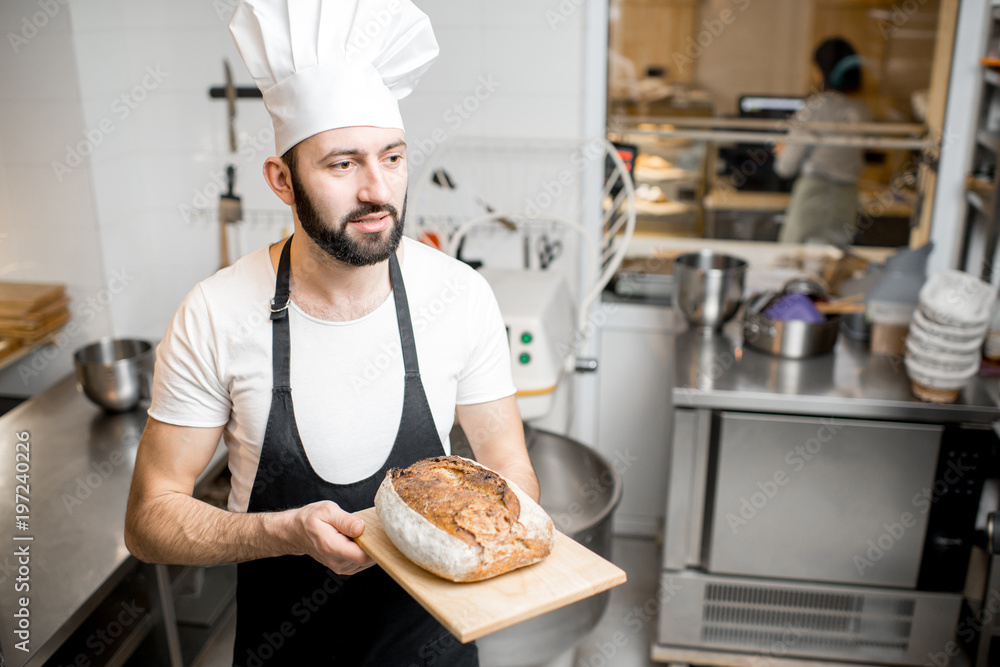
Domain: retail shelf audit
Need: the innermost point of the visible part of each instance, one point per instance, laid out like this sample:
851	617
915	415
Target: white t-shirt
213	366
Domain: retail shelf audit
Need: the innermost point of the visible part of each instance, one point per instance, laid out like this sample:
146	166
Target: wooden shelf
664	208
24	350
676	174
872	203
990	140
651	138
740	200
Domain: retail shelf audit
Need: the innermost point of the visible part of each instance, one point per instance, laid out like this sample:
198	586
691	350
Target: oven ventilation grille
788	620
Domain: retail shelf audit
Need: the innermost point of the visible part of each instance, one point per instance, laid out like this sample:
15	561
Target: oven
816	537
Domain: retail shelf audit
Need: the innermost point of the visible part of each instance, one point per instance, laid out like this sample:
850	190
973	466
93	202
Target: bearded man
393	340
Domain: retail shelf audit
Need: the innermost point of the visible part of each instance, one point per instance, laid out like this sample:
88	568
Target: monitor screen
769	106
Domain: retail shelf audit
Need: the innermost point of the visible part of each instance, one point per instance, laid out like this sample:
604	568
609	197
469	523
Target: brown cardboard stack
31	311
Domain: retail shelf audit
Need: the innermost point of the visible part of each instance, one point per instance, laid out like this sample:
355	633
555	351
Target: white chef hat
334	63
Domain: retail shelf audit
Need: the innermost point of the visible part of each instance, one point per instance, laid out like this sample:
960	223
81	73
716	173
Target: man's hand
165	524
325	532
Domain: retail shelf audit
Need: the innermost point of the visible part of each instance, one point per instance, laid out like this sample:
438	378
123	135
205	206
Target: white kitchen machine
547	223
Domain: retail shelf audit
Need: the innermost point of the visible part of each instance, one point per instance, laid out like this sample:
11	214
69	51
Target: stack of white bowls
946	334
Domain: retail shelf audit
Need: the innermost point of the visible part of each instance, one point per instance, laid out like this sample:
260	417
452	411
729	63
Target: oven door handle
699	488
688	484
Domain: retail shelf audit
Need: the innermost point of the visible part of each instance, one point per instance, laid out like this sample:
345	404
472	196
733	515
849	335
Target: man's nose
375	188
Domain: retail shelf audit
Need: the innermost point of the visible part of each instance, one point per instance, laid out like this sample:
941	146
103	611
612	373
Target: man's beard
373	248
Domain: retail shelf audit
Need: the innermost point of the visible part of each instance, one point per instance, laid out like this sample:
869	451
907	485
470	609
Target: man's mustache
369	209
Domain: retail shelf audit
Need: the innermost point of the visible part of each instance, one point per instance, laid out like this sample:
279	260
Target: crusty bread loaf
461	520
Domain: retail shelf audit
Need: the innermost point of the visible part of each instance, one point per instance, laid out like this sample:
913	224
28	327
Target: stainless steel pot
580	491
115	373
709	287
793	339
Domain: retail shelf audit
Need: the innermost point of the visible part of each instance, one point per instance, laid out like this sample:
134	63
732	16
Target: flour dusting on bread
461	520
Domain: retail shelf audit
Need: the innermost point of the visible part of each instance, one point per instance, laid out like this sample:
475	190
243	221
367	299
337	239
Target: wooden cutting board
36	318
37	315
36	332
471	610
19	298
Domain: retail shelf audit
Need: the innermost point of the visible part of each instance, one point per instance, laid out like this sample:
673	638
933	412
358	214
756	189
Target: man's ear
279	179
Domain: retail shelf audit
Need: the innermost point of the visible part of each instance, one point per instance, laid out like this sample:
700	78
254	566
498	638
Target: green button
526	337
524	358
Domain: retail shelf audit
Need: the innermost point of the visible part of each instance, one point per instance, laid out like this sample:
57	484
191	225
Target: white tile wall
110	128
460	62
48	228
102	74
158	196
30	21
449	13
69	205
46	52
510	52
176	14
538	115
145	200
99	15
116	175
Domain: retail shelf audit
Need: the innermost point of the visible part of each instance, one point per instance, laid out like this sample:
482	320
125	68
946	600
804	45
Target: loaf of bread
460	520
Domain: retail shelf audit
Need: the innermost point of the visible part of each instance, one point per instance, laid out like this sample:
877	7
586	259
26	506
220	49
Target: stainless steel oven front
832	538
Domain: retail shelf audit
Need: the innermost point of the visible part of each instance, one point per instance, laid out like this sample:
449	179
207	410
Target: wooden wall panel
940	74
760	52
651	32
896	40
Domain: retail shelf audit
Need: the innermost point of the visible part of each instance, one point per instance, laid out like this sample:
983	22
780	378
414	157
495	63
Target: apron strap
279	303
281	348
403	319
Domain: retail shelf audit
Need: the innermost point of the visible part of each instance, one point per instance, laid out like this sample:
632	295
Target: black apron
292	610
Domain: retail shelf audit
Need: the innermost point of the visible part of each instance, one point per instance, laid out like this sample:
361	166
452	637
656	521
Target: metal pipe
856	141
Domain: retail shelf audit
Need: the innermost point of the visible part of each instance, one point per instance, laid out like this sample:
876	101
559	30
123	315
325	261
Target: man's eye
342	165
395	159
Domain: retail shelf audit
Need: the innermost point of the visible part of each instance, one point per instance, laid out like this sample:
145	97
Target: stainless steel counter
720	372
81	469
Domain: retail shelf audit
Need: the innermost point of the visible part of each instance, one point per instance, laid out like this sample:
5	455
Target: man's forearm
177	529
496	435
525	478
521	473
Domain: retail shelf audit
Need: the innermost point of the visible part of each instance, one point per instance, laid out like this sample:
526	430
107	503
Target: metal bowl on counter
580	490
709	287
115	373
793	339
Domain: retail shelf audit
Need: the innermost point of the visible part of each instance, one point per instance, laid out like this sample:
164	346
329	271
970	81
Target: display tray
471	610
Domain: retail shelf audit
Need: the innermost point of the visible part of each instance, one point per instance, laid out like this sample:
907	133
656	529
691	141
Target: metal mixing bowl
709	287
580	491
115	373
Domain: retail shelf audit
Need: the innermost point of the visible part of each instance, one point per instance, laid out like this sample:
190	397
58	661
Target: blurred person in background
824	201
